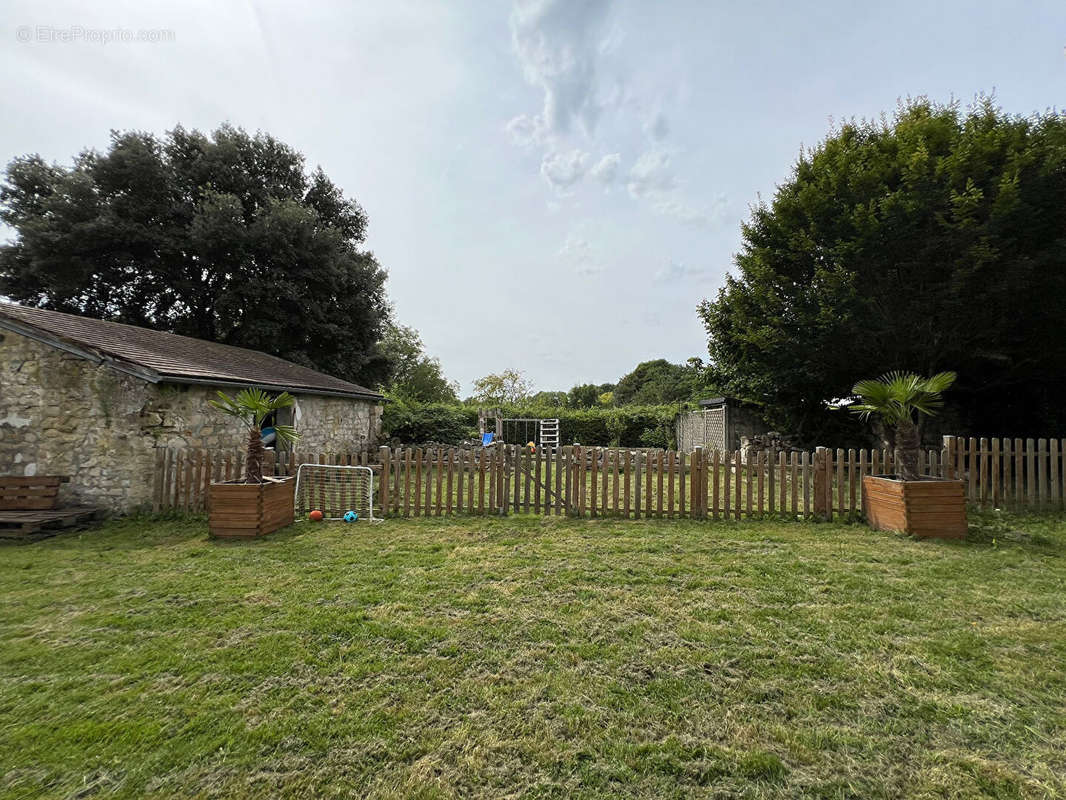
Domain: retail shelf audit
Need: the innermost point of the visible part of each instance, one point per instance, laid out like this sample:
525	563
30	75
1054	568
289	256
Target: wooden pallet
39	524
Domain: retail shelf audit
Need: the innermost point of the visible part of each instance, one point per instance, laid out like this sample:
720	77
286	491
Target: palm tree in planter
922	505
256	504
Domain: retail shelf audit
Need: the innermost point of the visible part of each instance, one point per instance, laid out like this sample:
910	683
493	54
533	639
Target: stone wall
64	415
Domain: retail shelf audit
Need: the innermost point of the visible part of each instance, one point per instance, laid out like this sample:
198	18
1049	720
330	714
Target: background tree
587	395
509	386
415	376
224	237
550	399
659	381
935	240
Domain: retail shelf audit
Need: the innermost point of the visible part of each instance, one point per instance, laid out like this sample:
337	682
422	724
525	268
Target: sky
552	185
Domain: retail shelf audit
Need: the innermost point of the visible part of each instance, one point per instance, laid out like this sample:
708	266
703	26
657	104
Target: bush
629	426
413	423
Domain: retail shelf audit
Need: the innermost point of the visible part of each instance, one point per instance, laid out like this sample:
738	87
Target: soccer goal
334	489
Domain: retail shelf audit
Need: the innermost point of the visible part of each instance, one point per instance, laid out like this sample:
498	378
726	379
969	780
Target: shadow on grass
997	528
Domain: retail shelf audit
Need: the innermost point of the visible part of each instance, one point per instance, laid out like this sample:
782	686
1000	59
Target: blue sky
553	186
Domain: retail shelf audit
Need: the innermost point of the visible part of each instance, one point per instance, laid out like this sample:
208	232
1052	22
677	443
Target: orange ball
316	516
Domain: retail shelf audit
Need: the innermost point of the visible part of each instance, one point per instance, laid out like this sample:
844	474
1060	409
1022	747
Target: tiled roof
174	358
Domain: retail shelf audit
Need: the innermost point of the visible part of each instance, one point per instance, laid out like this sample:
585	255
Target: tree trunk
253	462
908	440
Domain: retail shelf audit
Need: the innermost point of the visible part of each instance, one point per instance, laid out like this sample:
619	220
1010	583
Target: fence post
948	460
383	495
698	484
821	485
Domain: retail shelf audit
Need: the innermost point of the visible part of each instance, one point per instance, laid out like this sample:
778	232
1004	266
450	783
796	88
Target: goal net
334	490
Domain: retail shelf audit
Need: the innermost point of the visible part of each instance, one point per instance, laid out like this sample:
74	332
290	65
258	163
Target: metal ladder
549	433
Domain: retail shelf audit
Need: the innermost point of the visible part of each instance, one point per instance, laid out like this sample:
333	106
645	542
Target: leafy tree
934	239
415	376
509	386
587	395
224	237
549	399
659	381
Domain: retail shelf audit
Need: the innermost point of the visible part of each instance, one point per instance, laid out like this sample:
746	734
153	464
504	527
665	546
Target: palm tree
898	398
251	406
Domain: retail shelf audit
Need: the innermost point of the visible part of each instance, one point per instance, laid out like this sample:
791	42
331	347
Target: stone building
93	400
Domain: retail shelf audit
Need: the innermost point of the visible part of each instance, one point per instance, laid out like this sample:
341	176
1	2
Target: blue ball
351	516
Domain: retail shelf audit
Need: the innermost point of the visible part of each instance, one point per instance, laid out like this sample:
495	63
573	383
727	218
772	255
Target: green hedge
626	426
413	423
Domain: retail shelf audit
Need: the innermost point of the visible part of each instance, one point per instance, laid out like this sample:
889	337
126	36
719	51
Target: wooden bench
28	507
36	493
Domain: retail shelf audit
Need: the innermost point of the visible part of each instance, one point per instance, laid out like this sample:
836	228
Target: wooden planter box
924	508
246	510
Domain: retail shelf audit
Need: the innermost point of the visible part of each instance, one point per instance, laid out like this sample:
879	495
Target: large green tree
931	241
415	376
226	237
659	381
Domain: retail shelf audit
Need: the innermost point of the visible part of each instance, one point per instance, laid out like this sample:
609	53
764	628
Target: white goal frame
342	468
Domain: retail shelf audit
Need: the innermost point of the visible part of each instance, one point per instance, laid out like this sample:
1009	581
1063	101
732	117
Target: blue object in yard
269	435
351	516
486	439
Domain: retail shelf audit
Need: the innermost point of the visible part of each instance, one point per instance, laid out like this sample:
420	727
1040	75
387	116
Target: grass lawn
530	657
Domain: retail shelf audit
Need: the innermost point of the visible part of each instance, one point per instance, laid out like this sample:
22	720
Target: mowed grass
530	657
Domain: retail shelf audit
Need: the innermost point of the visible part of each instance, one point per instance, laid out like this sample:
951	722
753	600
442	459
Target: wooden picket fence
642	484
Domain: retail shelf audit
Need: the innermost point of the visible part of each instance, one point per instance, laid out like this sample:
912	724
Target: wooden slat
782	482
760	459
594	473
581	477
481	466
681	483
649	463
1053	472
605	480
995	465
1008	480
715	467
627	489
671	466
853	474
1030	471
450	485
748	480
537	458
1041	472
794	475
640	468
727	480
806	470
615	474
561	469
841	511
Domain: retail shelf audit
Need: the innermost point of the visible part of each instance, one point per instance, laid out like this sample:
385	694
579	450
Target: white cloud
563	170
657	128
579	253
557	42
678	272
526	130
688	214
605	169
652	179
651	174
